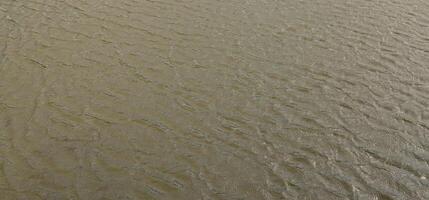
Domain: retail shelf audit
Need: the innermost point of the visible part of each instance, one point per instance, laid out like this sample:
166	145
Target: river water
214	99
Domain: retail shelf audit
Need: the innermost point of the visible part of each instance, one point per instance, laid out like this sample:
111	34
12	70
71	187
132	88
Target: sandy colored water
214	99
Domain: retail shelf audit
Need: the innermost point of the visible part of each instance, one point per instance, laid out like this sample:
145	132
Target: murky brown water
214	99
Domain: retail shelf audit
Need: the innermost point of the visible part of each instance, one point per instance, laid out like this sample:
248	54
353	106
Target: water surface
214	99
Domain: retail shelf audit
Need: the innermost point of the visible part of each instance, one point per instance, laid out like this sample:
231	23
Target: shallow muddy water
214	99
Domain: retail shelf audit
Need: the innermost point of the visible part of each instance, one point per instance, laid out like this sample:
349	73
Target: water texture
214	99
